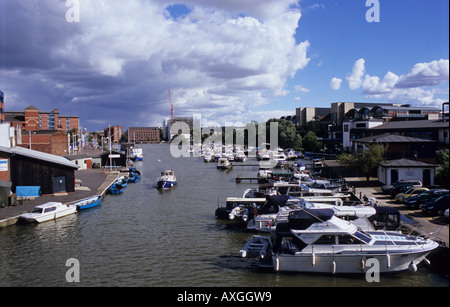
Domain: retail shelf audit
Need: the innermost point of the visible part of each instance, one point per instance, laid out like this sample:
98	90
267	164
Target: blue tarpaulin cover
22	191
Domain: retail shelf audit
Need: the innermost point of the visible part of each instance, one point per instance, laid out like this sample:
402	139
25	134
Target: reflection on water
147	237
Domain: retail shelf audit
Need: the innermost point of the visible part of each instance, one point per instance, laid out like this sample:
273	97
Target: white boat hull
44	217
347	264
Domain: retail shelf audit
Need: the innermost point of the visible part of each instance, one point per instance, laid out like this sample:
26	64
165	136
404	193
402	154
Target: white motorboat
278	208
223	163
48	211
240	156
167	180
315	240
208	158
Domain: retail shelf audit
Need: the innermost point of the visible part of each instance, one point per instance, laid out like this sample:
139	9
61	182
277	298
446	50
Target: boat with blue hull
167	180
116	188
88	202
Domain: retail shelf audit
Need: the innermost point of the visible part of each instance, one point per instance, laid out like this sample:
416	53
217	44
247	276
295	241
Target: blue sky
409	32
228	61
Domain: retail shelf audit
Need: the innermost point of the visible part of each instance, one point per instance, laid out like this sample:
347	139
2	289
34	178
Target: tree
442	177
310	142
365	160
287	134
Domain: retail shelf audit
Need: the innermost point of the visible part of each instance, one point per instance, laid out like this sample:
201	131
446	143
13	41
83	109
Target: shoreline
90	182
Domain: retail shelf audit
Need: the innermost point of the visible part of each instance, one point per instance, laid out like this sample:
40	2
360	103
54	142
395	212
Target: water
146	237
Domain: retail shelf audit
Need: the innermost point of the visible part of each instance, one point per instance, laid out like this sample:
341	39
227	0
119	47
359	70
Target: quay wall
97	181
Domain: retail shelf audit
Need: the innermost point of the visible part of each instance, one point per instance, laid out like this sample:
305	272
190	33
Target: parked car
437	206
400	197
386	189
414	202
405	185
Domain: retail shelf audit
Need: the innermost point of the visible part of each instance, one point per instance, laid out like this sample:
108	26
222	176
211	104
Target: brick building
143	134
116	133
31	119
42	131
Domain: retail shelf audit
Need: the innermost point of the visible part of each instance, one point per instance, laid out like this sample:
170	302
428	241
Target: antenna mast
171	106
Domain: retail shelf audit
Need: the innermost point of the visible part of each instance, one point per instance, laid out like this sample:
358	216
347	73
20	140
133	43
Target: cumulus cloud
300	88
404	88
335	83
220	58
426	74
354	79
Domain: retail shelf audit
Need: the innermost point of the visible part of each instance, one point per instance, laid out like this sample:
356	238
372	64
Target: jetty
89	183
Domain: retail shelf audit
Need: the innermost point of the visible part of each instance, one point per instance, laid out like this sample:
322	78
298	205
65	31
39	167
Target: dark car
437	206
387	189
424	197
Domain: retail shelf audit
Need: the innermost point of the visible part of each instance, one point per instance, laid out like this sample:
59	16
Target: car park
424	197
437	206
387	189
405	185
414	191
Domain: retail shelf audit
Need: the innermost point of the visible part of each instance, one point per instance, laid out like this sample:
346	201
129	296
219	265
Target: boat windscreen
362	236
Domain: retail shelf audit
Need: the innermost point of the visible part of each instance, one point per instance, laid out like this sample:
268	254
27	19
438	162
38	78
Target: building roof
412	124
392	138
33	108
34	154
406	163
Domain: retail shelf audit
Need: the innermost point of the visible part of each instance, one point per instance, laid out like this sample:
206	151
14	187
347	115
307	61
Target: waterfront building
25	167
304	115
400	147
361	122
115	132
32	119
143	134
44	131
168	123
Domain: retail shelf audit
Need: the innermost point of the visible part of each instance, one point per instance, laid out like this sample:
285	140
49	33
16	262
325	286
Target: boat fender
388	261
426	261
412	267
333	267
363	265
313	259
277	264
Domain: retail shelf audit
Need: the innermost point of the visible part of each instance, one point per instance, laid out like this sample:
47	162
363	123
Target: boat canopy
274	203
302	219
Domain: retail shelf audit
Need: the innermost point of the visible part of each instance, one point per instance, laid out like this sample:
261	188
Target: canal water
149	238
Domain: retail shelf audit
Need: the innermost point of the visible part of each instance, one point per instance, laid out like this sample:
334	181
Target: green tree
310	142
442	176
365	160
287	134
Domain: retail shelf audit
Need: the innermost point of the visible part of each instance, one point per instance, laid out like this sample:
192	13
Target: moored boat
116	188
223	163
88	202
315	240
136	154
48	211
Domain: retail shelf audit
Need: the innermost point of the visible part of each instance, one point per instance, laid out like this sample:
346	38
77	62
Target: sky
113	62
